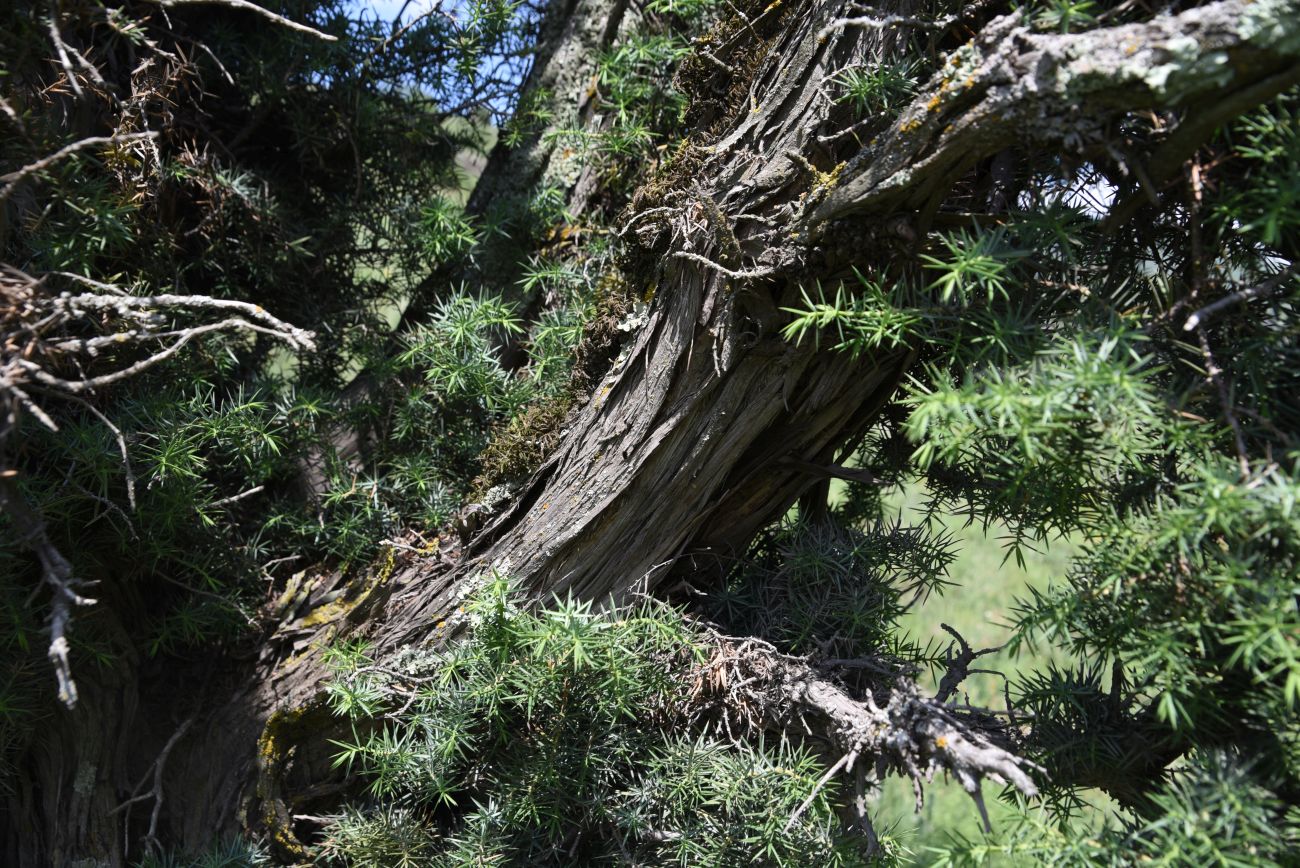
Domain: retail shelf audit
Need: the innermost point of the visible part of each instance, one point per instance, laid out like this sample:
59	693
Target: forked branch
749	685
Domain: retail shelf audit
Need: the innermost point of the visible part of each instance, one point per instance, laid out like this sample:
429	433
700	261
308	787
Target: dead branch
121	445
12	179
751	274
156	793
123	305
253	7
1265	289
145	312
61	48
88	384
747	685
884	22
31	332
55	572
958	664
1215	375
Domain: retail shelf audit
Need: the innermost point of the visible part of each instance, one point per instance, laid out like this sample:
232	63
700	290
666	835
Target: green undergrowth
557	737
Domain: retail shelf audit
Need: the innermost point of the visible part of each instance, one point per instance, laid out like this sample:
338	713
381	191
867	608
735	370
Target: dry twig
253	7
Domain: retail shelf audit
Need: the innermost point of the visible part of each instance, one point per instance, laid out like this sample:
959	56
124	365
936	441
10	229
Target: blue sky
387	9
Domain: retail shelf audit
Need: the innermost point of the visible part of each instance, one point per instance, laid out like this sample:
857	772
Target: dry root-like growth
748	685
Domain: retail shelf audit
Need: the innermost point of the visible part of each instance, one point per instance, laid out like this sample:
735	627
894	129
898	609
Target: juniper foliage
1124	382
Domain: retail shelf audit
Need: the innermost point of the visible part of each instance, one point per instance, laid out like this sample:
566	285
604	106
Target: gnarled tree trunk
705	428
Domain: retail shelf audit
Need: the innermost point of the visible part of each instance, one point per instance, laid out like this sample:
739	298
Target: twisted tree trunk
706	427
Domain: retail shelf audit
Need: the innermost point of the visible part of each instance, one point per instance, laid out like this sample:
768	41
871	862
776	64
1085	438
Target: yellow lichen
328	612
386	569
271	752
827	180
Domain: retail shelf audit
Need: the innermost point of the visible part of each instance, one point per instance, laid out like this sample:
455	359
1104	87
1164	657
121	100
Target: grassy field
978	606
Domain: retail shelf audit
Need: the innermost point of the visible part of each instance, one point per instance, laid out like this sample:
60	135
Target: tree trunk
706	427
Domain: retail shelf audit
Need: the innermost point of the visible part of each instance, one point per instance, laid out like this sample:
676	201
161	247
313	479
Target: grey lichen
1274	24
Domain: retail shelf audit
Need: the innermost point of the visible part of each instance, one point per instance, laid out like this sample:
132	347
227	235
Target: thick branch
1014	84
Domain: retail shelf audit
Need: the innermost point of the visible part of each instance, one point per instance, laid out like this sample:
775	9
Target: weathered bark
705	428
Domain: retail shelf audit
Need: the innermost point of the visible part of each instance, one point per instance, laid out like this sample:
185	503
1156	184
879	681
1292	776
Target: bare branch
884	22
12	179
752	686
123	304
156	793
121	446
62	49
57	573
256	489
959	665
1216	377
844	762
1266	289
751	274
252	7
91	383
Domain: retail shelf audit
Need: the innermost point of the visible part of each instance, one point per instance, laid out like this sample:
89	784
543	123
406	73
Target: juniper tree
1040	258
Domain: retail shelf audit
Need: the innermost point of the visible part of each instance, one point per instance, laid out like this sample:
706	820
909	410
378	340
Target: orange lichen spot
941	742
546	506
